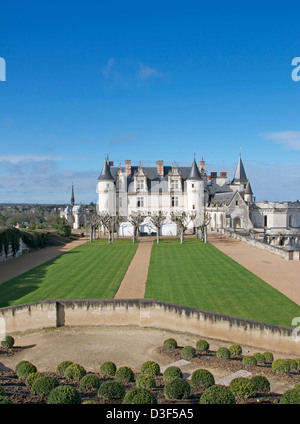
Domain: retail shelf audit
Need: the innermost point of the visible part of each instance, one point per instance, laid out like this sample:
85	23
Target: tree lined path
133	284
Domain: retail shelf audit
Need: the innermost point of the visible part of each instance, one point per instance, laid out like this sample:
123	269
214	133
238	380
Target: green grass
199	275
90	271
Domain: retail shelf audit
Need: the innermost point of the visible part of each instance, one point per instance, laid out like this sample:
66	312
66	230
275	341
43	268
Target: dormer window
140	184
174	184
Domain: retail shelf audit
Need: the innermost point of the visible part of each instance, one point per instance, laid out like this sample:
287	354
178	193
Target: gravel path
281	274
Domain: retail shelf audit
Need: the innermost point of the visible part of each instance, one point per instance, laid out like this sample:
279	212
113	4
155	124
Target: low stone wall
10	254
149	313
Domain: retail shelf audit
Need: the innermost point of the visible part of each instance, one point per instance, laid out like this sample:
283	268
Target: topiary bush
280	366
217	395
64	394
202	378
111	390
260	358
61	368
202	345
24	369
90	381
249	360
242	387
291	396
177	389
170	344
223	353
108	369
261	384
269	357
171	373
20	364
32	377
293	364
139	396
4	400
188	352
8	342
235	349
43	385
75	372
150	368
124	375
145	381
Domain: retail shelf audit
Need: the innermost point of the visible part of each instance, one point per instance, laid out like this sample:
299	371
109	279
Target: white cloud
290	139
146	72
106	70
15	158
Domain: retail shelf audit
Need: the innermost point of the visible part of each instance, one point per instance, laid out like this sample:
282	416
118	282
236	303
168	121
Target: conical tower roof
106	174
248	189
240	174
72	196
194	174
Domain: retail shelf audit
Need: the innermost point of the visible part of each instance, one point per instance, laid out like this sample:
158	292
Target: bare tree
108	220
118	220
136	218
204	225
157	218
182	219
93	222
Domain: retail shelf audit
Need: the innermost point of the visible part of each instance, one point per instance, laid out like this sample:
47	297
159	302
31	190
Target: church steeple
240	174
72	197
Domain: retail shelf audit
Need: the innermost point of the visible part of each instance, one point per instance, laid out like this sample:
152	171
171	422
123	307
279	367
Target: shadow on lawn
17	288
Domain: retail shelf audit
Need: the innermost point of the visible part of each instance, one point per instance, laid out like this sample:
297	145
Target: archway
237	223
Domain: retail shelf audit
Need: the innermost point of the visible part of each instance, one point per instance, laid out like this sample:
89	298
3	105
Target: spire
72	197
248	189
194	174
240	174
106	174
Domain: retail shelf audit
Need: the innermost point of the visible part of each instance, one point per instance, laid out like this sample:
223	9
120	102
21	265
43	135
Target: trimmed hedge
202	345
291	396
170	344
145	381
261	384
61	368
242	387
260	358
281	366
64	394
111	390
90	381
124	375
171	373
202	378
223	353
188	352
139	396
249	360
24	368
269	357
32	377
75	372
108	369
8	342
43	385
235	349
150	368
177	389
217	395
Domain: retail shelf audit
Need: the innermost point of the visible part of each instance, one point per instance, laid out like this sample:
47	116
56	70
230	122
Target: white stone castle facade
229	203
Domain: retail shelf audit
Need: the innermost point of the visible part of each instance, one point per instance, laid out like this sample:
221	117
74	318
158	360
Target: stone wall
149	313
10	254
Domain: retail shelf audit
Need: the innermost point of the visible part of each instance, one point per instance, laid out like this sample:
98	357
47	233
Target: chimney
202	164
223	174
213	175
110	163
128	167
160	168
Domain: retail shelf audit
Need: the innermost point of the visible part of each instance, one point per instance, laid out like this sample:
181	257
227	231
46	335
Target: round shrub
177	389
291	396
202	345
297	386
139	396
217	395
61	368
150	368
171	373
4	400
188	352
249	360
223	353
8	342
24	369
42	386
202	378
20	364
293	364
145	381
124	375
261	384
90	381
235	349
75	372
280	366
111	390
170	344
242	387
269	357
32	377
2	391
260	358
64	394
108	369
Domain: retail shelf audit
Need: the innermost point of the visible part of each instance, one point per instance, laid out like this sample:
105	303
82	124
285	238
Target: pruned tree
157	219
136	218
93	222
118	220
182	219
204	225
107	221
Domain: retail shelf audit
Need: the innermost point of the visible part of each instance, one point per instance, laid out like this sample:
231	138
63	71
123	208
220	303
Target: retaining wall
149	313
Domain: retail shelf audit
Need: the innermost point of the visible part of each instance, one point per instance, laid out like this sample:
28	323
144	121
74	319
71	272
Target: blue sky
147	81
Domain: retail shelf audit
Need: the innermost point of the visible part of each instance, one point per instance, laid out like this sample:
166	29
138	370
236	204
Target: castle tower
106	190
195	191
72	196
248	193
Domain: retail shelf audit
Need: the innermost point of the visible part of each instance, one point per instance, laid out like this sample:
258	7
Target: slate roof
240	174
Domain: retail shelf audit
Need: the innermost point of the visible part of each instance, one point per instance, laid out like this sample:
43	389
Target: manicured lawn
199	275
90	271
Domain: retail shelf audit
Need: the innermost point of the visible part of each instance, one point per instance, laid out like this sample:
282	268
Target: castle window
174	201
140	202
237	202
174	184
265	221
193	185
140	184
